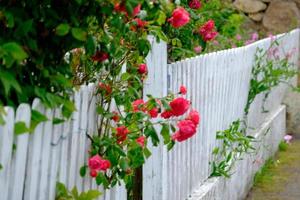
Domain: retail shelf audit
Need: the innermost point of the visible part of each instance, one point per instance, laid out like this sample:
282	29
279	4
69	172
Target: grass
277	172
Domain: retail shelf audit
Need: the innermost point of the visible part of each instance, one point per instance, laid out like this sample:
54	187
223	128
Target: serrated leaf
62	29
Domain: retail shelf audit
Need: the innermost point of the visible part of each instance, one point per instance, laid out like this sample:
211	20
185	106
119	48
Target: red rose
121	134
138	105
141	141
100	56
182	90
93	173
140	23
105	164
179	106
115	116
120	7
94	162
143	69
187	129
194	117
153	112
195	4
105	87
180	17
136	10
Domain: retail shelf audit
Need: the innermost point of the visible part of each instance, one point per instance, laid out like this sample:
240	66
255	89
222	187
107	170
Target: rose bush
105	42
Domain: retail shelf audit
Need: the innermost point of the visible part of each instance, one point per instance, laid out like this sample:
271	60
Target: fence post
156	85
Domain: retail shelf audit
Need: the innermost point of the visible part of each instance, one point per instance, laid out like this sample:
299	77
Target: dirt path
280	179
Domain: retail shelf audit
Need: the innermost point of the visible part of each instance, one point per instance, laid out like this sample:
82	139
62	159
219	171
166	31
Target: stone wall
274	16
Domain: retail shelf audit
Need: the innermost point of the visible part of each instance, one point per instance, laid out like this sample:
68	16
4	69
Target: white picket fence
217	84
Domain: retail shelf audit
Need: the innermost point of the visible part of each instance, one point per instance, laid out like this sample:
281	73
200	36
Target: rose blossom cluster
207	31
187	127
96	164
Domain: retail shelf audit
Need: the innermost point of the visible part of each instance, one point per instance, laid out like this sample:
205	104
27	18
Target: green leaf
92	194
57	121
151	132
74	192
62	29
9	81
10	22
61	190
1	167
36	118
15	50
165	132
171	145
79	34
147	152
68	108
82	171
20	128
125	76
90	45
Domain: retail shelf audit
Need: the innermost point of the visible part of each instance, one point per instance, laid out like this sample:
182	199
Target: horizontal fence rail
218	85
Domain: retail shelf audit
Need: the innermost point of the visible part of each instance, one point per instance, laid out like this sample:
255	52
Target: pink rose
141	141
180	17
198	49
210	36
187	129
94	162
179	106
207	27
153	112
194	117
206	31
138	105
105	164
238	37
166	114
182	90
143	69
195	4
